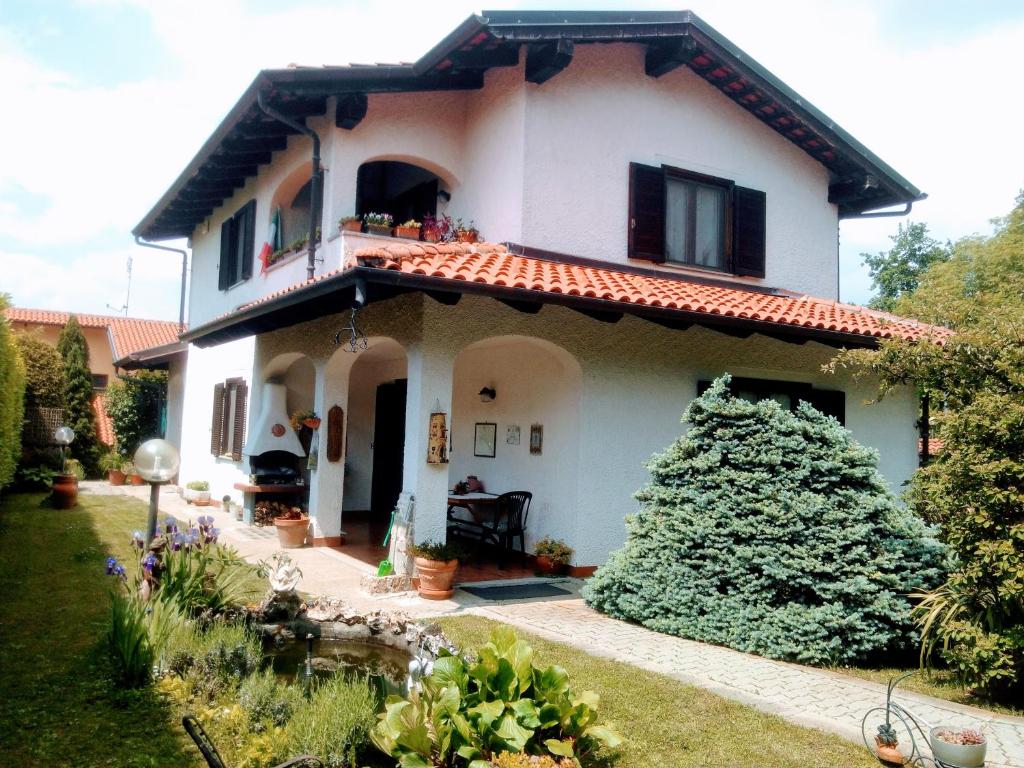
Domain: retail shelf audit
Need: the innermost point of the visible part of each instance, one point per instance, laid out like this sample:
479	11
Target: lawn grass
669	723
939	683
57	705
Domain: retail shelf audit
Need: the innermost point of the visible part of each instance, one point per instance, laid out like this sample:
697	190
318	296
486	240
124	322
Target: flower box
410	233
379	229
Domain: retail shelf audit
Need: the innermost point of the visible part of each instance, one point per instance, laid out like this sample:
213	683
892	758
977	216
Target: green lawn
668	723
57	707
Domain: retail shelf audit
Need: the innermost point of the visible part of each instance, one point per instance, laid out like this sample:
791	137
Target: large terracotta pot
116	477
136	480
436	578
549	567
64	493
291	534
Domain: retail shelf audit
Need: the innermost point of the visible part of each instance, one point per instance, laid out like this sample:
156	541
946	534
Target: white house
667	210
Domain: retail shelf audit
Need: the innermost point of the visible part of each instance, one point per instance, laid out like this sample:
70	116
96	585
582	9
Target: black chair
511	512
214	760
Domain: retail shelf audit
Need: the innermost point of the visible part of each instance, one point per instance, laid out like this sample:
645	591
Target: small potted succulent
408	229
552	556
962	747
111	464
436	565
350	224
198	492
378	223
291	526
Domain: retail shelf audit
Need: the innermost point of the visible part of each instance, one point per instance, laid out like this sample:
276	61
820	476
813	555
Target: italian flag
273	241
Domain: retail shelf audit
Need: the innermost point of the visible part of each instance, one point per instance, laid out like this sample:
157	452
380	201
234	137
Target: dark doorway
388	447
404	190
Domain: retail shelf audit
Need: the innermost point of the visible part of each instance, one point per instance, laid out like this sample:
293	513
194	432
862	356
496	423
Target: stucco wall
101	360
176	375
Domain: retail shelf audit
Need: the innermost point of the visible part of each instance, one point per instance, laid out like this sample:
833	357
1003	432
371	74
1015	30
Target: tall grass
335	724
137	635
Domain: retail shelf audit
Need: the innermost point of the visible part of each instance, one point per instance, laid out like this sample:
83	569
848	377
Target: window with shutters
680	217
227	428
237	247
788	394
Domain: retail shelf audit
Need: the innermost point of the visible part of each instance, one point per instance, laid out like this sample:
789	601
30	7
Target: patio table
470	502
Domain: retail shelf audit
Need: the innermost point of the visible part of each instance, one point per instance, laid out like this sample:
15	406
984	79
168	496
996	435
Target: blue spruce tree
770	532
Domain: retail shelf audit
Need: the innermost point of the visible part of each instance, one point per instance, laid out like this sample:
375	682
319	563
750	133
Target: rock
382	585
279	606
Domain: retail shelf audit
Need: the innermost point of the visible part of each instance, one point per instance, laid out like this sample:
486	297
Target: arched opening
504	390
294	203
404	190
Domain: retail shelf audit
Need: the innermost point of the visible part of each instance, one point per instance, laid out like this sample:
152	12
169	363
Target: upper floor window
681	217
404	190
237	247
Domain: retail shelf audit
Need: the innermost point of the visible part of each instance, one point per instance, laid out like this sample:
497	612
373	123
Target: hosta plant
465	714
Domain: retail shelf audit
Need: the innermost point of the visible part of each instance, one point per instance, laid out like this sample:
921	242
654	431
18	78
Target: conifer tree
770	532
78	394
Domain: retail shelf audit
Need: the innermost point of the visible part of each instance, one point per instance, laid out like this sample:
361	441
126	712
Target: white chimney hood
270	431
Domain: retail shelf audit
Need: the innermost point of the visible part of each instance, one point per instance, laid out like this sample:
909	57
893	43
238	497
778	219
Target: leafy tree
974	489
134	406
896	272
12	396
78	394
44	372
770	532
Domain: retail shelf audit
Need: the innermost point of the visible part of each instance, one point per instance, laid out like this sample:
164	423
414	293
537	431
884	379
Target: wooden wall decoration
437	439
335	433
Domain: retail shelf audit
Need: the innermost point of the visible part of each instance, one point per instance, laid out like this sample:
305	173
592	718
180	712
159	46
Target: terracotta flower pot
430	237
436	578
410	233
291	534
379	229
890	755
116	477
547	566
352	226
136	480
64	492
468	236
312	423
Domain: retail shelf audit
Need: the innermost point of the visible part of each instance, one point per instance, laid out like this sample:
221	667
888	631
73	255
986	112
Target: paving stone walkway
813	697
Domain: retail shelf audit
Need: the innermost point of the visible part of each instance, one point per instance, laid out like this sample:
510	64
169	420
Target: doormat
516	591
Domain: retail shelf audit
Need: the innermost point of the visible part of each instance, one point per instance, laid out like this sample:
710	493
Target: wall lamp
444	194
487	395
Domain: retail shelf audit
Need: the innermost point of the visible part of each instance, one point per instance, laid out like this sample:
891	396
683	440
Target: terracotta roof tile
104	425
492	264
129	334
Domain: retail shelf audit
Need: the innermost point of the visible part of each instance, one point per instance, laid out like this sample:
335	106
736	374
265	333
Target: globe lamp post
157	463
63	436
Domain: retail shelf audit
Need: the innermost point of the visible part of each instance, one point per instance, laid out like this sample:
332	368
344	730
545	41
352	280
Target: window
404	190
237	247
99	381
227	428
788	394
687	218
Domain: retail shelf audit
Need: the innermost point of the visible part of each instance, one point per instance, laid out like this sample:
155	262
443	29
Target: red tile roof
492	264
104	425
128	334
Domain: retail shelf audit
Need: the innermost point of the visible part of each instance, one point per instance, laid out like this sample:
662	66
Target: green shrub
198	485
44	372
335	723
205	578
267	701
500	703
137	636
12	399
770	532
213	658
134	405
439	552
78	395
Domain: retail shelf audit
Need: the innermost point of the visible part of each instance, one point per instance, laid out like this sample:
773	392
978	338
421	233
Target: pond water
387	668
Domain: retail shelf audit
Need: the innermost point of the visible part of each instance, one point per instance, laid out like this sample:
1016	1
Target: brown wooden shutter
238	428
217	422
646	212
748	217
247	235
224	272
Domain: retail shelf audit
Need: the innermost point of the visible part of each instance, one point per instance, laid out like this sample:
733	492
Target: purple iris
111	565
170	525
149	563
177	541
120	572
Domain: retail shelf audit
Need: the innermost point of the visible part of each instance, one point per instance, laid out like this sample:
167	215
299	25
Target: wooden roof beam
665	55
545	61
350	110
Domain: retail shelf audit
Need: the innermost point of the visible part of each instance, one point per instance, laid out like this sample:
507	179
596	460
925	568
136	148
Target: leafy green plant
44	372
348	220
334	725
110	462
74	467
128	468
207	578
268	701
35	477
770	532
137	635
78	394
198	485
133	404
465	713
12	398
556	550
437	551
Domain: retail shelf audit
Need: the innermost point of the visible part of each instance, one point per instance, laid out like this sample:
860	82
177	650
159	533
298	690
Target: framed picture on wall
485	439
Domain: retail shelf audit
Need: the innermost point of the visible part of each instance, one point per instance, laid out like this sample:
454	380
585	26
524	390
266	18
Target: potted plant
132	474
304	418
409	229
350	224
962	747
436	565
886	741
378	223
64	485
466	233
198	492
291	528
552	556
438	229
111	464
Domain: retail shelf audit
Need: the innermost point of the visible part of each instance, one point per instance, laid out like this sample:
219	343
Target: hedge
12	398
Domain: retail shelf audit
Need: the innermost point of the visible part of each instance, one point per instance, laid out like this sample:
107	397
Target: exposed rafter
351	110
548	59
665	55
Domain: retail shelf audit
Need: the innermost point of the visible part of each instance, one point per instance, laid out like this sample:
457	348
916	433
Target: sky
106	101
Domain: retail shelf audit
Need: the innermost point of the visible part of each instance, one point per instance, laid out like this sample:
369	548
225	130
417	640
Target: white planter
193	496
960	755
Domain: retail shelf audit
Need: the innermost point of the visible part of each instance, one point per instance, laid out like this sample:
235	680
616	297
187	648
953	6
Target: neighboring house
110	338
669	211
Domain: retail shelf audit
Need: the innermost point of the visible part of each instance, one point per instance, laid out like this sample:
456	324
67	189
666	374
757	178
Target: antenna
127	296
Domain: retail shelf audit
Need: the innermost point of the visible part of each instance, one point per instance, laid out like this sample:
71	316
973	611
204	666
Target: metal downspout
184	274
314	208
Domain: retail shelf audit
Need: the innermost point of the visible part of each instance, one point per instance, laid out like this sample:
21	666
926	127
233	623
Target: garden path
808	696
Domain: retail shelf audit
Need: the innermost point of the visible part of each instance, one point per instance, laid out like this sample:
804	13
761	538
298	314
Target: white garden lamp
157	462
63	436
